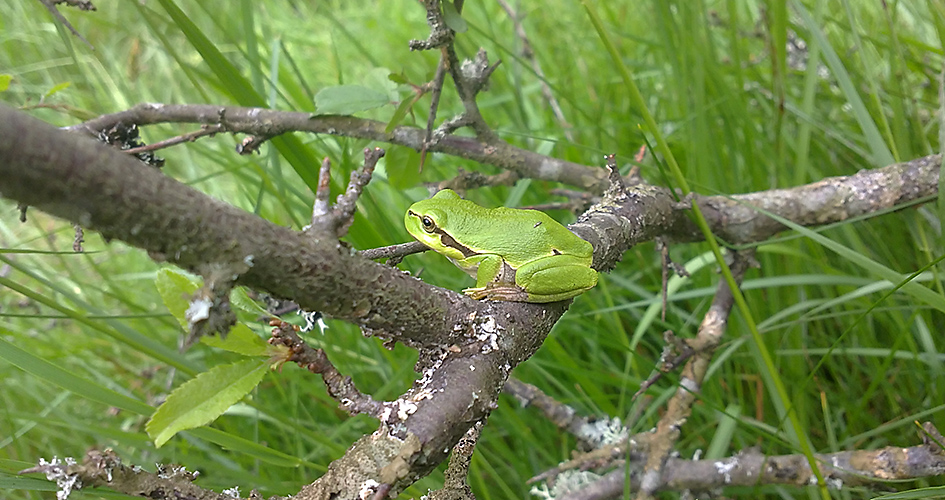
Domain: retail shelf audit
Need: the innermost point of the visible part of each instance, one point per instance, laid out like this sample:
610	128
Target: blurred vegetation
751	96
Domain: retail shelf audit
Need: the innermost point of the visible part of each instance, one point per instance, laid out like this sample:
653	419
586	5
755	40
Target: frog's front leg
495	280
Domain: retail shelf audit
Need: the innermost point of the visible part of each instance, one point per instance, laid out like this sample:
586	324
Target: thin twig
206	130
341	388
51	7
436	90
338	218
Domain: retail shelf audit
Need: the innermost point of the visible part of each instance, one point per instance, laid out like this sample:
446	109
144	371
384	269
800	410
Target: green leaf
201	400
5	81
56	88
240	300
176	288
453	18
240	340
348	99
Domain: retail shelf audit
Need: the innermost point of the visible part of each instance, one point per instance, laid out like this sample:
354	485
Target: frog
515	255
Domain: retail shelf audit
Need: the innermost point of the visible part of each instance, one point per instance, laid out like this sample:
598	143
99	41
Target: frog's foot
508	293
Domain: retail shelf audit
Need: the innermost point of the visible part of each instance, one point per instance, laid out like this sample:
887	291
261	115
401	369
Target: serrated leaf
240	300
175	289
56	88
202	399
5	82
453	18
348	99
241	340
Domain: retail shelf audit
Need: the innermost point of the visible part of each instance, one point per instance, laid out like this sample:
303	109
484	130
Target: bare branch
394	251
558	413
456	484
340	388
338	219
268	123
105	469
751	468
87	182
206	130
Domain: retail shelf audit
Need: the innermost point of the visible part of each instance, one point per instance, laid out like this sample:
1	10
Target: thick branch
86	182
643	212
105	469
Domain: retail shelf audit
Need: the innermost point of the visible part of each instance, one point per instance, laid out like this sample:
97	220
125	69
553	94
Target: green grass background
741	113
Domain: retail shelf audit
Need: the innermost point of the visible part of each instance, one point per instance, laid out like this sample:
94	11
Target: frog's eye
429	225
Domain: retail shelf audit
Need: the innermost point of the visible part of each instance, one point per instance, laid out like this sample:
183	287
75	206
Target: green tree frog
515	255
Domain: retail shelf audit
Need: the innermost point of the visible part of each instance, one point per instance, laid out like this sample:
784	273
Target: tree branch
751	468
267	122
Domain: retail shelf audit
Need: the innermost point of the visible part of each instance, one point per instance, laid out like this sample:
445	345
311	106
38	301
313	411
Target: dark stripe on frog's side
449	241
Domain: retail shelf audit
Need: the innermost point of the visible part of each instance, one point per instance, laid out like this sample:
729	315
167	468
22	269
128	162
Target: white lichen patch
603	432
427	374
368	489
55	470
489	335
567	482
313	319
422	394
405	409
725	468
233	492
198	311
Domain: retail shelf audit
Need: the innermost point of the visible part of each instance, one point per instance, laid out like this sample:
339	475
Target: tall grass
750	96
